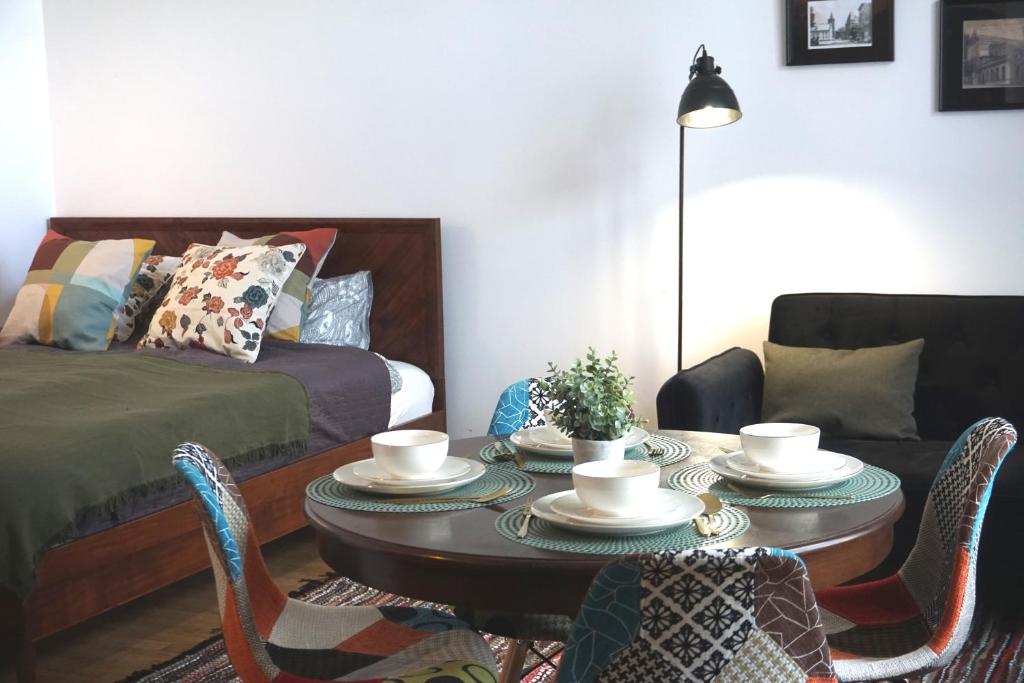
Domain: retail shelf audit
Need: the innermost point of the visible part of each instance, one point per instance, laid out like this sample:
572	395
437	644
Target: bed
146	548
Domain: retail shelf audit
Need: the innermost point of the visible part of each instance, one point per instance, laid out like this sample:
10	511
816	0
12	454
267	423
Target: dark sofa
972	367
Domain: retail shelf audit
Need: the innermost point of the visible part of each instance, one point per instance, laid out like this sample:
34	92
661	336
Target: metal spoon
712	503
712	506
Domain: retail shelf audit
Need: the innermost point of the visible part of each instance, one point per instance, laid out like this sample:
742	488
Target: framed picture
839	31
981	55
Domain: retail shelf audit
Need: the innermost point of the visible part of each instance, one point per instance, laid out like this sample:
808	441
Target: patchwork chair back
271	638
729	614
521	405
919	618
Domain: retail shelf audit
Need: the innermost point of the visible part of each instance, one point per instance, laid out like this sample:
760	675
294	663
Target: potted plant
593	404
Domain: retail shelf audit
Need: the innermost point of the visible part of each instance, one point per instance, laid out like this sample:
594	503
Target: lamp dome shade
708	102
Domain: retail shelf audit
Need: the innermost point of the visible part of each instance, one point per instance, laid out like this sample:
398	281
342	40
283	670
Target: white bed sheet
415	398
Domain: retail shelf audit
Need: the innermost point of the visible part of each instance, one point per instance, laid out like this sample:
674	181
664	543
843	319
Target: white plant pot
585	450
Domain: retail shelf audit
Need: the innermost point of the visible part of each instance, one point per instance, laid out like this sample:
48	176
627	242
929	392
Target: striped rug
994	653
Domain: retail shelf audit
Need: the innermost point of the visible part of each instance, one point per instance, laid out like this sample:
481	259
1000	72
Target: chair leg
512	664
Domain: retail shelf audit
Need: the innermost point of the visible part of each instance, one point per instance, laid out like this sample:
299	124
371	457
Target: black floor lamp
707	102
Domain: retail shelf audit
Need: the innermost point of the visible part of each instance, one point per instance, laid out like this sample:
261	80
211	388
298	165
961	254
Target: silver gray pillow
393	375
339	314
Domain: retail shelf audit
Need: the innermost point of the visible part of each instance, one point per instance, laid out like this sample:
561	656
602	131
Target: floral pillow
147	288
221	297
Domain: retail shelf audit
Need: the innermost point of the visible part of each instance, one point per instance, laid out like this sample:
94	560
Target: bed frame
93	574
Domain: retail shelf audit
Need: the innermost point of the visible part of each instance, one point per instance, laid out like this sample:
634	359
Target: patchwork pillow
147	289
339	314
292	307
221	297
71	292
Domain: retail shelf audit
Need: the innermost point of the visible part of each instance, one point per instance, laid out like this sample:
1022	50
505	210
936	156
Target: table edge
886	519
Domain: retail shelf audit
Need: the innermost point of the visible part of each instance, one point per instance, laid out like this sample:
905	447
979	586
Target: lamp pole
682	170
707	102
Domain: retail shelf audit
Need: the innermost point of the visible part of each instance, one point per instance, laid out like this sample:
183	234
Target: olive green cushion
847	393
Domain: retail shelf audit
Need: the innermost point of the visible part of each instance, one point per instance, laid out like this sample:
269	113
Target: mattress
415	398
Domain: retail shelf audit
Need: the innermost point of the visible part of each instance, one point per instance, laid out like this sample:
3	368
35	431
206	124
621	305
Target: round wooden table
458	558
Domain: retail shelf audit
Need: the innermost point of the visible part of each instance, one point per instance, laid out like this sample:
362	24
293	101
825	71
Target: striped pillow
292	307
72	290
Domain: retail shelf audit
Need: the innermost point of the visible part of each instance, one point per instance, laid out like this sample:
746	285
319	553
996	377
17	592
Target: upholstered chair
271	638
726	615
520	405
918	619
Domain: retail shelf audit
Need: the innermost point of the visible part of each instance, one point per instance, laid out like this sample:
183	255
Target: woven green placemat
869	484
330	491
674	451
547	536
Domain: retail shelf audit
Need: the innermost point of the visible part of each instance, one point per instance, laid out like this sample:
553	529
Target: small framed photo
981	55
839	31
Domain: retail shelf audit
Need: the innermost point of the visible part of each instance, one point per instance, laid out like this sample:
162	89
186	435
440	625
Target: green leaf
592	399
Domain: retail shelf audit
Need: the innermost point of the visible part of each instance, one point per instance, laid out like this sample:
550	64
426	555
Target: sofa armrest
721	394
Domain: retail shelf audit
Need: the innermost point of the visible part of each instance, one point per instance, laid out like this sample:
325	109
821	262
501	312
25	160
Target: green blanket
81	432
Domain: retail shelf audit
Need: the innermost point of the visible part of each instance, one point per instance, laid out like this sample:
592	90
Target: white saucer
719	464
452	468
523	440
348	477
825	463
549	435
664	503
683	513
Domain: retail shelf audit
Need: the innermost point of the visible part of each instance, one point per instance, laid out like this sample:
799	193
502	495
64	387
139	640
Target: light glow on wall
748	242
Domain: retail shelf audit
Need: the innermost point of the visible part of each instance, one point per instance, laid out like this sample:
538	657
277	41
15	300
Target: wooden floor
158	626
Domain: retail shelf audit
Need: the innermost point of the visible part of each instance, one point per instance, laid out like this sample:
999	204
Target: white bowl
783	447
617	488
410	453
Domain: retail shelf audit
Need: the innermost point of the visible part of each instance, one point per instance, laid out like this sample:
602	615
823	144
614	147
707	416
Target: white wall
543	134
26	181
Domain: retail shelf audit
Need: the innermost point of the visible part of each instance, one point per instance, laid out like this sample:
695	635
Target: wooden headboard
404	255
